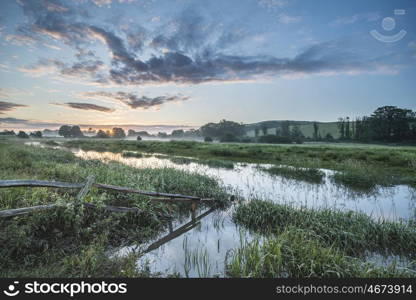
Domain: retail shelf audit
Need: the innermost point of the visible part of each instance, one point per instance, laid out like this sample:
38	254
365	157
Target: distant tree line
385	124
21	134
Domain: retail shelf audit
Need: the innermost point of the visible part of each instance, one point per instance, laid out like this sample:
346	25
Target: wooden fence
84	189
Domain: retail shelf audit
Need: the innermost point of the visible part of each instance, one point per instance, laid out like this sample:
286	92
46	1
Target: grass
72	241
299	253
303	174
390	162
307	243
352	232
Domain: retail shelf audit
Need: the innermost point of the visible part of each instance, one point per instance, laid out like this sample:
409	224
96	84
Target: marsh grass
300	253
397	162
352	232
54	242
303	174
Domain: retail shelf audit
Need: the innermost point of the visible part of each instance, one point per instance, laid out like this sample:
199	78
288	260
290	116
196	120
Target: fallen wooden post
85	189
57	184
134	191
177	232
25	210
181	200
39	183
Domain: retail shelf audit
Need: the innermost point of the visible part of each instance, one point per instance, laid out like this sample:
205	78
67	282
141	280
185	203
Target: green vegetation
351	232
392	165
299	253
308	175
74	241
304	242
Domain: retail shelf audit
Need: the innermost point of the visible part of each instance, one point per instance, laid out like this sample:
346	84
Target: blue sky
183	62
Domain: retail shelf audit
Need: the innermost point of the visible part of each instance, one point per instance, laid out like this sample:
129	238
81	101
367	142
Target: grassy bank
72	241
298	253
393	165
317	243
352	232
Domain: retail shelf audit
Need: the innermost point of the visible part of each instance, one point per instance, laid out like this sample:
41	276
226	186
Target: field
286	240
375	164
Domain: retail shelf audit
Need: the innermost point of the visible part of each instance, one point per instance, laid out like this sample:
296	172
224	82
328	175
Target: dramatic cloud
12	121
134	101
8	106
85	106
187	49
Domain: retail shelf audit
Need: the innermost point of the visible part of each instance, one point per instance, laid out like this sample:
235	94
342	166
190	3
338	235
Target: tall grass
396	162
300	253
54	242
310	175
352	232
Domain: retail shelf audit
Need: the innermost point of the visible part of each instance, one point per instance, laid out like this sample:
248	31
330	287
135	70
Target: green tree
390	123
76	131
65	131
315	130
101	134
118	133
223	128
22	135
36	134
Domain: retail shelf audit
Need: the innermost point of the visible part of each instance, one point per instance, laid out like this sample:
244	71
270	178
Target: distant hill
305	126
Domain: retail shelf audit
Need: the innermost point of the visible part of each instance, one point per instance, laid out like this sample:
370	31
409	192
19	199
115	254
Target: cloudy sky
183	62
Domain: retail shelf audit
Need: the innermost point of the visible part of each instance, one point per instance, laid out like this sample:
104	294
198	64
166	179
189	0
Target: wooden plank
134	191
177	232
26	210
39	183
180	200
57	184
84	191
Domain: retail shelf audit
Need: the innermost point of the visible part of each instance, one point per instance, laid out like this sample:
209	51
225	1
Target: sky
188	62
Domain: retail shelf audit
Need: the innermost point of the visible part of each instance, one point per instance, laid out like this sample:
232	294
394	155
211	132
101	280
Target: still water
199	248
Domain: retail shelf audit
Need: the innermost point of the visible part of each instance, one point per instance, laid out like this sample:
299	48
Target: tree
177	133
208	139
118	133
297	135
390	123
347	128
101	134
65	131
131	132
76	132
285	129
139	138
7	132
22	135
315	130
341	127
36	134
223	128
329	138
